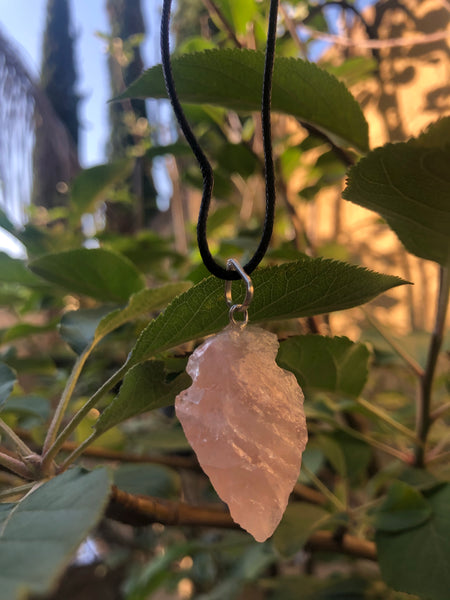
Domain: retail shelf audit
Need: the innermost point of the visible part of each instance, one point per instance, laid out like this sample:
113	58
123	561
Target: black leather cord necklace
205	166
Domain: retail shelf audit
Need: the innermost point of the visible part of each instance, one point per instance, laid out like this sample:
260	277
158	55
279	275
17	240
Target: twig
348	544
306	493
409	360
375	443
176	462
79	416
341	154
381	414
403	456
323	489
14	491
437	458
414	40
140	511
212	7
290	25
440	411
14	465
423	418
64	400
20	445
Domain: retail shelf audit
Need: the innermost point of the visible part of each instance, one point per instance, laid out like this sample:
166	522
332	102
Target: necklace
243	415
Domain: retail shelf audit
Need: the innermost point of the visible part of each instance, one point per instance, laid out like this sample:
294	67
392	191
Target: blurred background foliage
362	475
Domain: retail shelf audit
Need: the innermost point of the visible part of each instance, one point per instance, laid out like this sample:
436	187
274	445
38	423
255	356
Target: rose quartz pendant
243	416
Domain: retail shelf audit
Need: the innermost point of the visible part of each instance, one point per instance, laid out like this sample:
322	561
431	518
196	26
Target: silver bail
234	265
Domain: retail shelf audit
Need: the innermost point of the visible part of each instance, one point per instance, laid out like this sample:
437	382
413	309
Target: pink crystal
243	416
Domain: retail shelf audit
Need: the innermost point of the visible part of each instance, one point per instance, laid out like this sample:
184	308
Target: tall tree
129	119
59	83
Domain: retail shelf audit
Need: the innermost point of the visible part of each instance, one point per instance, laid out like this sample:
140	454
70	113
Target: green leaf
408	184
81	328
177	149
98	273
143	302
233	79
315	588
416	560
298	289
148	480
237	158
26	407
238	14
14	270
6	224
437	135
145	387
323	363
92	185
349	456
146	581
40	534
78	327
22	330
7	380
404	508
297	524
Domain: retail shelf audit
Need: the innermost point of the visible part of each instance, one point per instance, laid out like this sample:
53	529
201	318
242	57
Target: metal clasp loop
233	264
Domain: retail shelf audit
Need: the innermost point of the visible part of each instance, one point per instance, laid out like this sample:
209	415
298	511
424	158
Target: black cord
205	166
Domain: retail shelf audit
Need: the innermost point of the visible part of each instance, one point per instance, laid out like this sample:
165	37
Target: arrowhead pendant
243	416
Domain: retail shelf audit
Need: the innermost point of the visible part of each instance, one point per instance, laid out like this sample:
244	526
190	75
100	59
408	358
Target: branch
441	411
423	417
14	465
328	494
290	25
348	544
139	511
21	447
172	461
176	462
144	510
211	7
409	360
341	154
308	494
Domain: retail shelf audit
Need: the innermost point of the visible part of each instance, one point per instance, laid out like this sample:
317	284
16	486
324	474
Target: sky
24	21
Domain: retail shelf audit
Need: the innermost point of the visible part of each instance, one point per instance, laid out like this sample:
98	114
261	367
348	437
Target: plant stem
65	399
323	488
381	414
14	465
212	7
423	417
21	447
409	360
375	443
144	510
77	452
440	411
26	487
79	416
168	460
369	440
